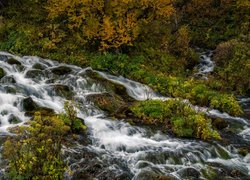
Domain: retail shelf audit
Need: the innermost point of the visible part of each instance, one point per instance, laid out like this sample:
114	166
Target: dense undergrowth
183	120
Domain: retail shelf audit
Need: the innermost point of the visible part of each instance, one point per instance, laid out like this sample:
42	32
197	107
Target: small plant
70	117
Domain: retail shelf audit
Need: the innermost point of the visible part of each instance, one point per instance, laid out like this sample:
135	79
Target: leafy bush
35	151
184	121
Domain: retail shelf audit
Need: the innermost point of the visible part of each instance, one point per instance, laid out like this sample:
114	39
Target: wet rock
13	61
62	90
28	104
2	73
8	80
107	102
3	58
39	66
35	74
219	123
61	70
190	172
13	119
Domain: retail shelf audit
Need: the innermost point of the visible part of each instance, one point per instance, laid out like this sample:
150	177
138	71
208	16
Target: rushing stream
130	152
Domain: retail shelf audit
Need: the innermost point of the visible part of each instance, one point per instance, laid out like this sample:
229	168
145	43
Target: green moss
184	121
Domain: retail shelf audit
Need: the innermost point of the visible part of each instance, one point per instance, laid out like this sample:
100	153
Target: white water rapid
136	152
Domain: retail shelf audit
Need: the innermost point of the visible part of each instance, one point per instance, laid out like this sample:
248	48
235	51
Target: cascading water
130	152
206	65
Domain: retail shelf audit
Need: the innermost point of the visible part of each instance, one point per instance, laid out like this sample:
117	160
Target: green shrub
70	117
35	151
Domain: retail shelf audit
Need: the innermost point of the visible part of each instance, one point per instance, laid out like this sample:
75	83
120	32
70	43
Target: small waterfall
205	66
136	152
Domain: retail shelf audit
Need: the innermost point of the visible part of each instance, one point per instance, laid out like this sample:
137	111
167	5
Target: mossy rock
61	70
10	89
13	119
2	73
219	123
35	74
62	90
39	66
8	80
13	61
110	103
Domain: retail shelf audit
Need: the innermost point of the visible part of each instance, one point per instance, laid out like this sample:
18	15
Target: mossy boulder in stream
62	90
61	70
110	103
35	74
39	66
13	61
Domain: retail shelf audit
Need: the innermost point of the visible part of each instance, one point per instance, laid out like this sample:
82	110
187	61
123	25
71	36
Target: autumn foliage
105	23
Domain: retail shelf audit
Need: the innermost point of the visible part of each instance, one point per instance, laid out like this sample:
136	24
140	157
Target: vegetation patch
35	150
183	120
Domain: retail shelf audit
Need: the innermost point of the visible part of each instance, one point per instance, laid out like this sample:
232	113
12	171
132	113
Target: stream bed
116	149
